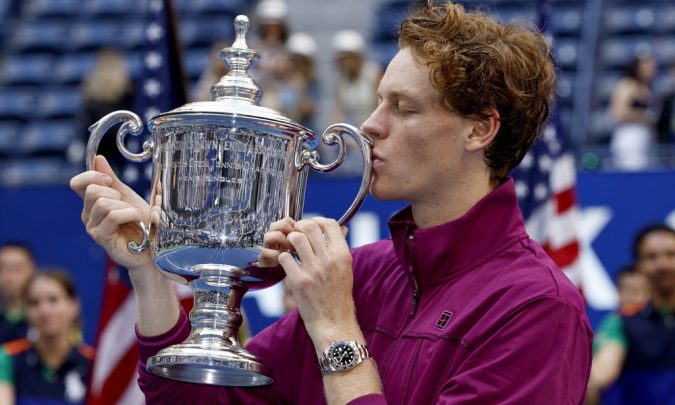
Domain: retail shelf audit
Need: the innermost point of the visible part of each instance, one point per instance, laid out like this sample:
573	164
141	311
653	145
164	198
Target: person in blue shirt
51	367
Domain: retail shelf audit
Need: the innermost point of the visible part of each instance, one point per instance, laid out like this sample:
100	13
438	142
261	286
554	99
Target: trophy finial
237	85
241	25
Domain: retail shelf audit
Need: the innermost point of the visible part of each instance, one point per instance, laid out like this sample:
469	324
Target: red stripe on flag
114	294
565	200
117	381
565	255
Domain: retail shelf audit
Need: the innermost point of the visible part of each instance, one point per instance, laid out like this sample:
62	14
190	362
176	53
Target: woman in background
632	106
52	365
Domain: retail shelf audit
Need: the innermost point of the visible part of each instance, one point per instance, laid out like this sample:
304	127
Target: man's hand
275	242
321	282
111	213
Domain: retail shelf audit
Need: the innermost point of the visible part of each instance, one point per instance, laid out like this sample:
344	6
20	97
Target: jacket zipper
416	290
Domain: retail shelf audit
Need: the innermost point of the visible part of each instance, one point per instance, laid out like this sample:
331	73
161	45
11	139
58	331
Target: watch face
342	356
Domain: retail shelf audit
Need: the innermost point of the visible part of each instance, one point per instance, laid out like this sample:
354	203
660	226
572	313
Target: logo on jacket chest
443	320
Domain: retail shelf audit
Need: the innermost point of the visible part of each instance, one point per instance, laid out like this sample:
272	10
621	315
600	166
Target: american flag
546	184
161	88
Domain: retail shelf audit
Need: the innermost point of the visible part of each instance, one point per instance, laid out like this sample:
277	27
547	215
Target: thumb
102	165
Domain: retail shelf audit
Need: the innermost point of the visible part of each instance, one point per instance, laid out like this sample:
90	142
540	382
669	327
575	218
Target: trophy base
203	365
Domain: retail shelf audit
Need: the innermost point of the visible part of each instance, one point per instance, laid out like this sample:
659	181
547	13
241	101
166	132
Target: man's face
418	146
656	260
16	267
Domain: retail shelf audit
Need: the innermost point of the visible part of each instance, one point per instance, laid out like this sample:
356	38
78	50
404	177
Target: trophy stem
212	353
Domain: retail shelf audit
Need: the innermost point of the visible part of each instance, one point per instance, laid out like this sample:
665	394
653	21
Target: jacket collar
445	251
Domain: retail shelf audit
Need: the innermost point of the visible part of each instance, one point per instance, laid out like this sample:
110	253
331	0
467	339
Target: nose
375	126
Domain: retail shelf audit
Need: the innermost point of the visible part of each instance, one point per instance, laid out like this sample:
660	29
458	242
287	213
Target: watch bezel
335	363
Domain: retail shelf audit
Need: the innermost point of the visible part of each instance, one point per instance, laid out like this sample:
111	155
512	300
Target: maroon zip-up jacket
467	312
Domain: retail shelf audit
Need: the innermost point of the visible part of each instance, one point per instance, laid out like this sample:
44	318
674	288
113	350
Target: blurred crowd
287	74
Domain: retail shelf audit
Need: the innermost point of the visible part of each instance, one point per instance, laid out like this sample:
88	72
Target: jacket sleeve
541	354
159	390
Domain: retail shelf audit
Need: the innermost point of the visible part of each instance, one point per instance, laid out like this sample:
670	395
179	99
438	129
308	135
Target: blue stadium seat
565	91
665	18
629	18
45	170
567	52
72	68
17	103
51	8
133	35
63	102
93	34
9	133
203	32
566	20
47	137
38	36
195	62
26	69
215	6
619	51
114	7
664	49
520	13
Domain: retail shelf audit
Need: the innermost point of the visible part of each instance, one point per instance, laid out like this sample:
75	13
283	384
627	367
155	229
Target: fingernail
107	180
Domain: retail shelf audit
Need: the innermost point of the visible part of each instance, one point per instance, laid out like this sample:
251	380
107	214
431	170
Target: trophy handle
132	124
334	134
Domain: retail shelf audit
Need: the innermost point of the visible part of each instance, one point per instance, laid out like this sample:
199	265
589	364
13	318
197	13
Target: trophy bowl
223	171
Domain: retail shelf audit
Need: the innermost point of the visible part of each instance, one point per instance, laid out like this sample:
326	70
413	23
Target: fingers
102	208
303	247
275	241
335	234
313	234
102	165
290	265
92	194
112	221
284	225
80	182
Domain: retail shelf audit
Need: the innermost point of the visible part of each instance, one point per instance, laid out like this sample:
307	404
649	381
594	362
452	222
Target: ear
483	132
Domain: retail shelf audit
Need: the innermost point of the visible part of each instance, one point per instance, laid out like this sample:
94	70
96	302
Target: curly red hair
479	64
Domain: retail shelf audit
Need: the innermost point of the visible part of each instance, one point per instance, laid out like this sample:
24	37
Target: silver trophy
223	171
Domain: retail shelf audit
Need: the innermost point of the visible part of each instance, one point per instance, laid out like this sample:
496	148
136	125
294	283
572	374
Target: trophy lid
236	94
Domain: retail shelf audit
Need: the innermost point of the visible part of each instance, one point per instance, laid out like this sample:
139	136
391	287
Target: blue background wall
49	220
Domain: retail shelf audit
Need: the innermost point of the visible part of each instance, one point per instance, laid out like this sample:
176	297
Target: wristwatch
342	355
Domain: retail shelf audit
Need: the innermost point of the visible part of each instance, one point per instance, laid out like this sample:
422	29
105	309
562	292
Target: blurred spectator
215	69
638	347
666	123
270	43
52	366
632	108
17	266
356	82
633	295
107	88
633	290
300	92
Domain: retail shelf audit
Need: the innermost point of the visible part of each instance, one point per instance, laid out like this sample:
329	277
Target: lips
376	159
